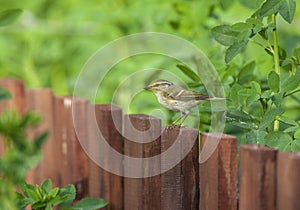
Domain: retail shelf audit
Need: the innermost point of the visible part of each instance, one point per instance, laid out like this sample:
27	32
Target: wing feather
185	95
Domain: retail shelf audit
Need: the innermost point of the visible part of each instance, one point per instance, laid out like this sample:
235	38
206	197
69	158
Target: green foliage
260	106
20	153
9	16
53	40
44	198
239	34
190	73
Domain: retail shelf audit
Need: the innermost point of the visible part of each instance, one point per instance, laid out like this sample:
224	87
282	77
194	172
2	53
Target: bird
176	98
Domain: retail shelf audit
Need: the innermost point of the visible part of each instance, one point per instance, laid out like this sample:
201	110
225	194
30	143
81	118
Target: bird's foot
174	126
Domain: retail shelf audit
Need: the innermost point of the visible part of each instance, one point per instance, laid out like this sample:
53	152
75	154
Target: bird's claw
173	126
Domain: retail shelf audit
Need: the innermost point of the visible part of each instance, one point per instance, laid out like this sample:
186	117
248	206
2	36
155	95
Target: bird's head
158	85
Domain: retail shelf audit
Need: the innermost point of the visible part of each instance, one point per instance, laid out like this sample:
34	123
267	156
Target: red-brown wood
218	172
179	184
78	158
40	101
105	119
62	123
142	192
257	177
71	160
16	88
288	185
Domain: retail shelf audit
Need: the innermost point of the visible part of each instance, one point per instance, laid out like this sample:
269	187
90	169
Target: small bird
177	98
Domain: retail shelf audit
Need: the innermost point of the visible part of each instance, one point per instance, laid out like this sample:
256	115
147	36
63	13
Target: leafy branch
263	101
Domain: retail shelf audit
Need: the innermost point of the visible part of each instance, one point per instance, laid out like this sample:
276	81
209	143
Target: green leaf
90	204
251	94
274	81
30	119
33	194
295	145
39	192
59	200
264	34
246	92
297	134
225	4
240	26
241	119
253	4
39	205
9	16
270	7
251	99
39	141
46	186
279	140
53	193
234	96
287	10
67	194
291	83
25	202
244	36
246	72
189	72
287	120
228	73
296	53
224	35
234	50
291	129
256	86
269	117
256	137
48	207
4	94
257	25
277	99
266	94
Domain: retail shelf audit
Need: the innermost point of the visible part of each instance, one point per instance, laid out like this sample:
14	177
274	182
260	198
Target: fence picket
78	158
179	186
40	101
288	185
257	177
108	121
218	174
142	192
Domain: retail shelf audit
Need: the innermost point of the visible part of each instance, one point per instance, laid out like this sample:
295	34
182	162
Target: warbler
176	98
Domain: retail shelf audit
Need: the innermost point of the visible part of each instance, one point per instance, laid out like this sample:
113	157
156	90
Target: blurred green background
53	39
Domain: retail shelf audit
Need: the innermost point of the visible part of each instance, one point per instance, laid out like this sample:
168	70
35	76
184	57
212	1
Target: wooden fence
267	179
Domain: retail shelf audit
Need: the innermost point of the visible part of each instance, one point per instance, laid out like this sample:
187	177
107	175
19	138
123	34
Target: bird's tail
218	99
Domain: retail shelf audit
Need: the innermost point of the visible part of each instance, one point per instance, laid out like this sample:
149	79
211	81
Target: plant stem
275	47
291	93
276	59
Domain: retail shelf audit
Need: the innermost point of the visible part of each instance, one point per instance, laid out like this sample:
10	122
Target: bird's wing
186	95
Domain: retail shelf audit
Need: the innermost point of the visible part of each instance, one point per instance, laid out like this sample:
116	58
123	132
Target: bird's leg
184	117
177	120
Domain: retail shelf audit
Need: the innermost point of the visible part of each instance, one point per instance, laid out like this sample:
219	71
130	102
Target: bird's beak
147	88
